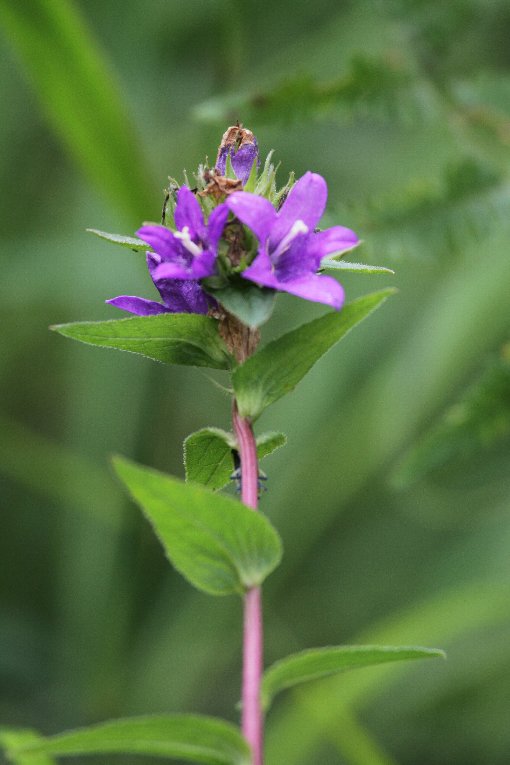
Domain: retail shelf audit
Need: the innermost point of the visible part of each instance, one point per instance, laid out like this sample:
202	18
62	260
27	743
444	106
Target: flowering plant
218	259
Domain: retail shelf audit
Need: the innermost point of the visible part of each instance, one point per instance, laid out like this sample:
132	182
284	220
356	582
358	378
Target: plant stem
252	718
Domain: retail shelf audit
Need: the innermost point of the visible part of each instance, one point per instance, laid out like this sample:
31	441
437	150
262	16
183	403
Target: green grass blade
12	739
80	98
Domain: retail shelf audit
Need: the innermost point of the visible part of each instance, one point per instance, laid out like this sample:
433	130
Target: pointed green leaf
214	541
174	338
269	442
279	366
193	738
208	455
130	242
12	739
251	304
320	662
358	268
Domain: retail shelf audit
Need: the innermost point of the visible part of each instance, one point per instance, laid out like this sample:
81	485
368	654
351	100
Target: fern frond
429	218
384	87
479	420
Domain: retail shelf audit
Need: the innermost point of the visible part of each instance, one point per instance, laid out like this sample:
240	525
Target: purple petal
296	261
337	239
261	271
161	240
216	224
198	268
183	296
188	213
254	211
306	202
243	159
137	305
319	289
221	160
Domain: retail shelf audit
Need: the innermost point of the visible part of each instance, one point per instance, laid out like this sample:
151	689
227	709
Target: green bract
250	304
189	339
131	242
279	366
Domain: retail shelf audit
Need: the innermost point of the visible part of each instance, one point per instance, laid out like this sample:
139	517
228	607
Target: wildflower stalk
252	718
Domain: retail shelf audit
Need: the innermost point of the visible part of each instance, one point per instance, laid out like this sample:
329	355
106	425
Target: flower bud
241	145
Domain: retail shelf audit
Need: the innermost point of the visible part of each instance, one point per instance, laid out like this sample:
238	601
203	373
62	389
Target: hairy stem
252	718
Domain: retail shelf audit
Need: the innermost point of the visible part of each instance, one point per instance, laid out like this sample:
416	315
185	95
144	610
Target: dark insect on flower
236	475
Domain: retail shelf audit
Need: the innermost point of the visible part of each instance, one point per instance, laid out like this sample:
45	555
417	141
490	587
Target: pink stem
252	718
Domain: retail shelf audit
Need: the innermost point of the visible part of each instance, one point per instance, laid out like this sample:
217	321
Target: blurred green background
392	496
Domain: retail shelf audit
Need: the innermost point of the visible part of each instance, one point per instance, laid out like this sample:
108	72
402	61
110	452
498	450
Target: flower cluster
289	248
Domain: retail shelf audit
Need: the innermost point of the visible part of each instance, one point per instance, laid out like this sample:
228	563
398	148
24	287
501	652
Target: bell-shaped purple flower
290	251
241	145
179	259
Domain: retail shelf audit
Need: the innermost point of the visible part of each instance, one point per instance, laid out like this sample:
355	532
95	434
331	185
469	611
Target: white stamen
185	238
298	227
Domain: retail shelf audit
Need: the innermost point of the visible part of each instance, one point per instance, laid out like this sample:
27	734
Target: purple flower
290	252
179	259
242	147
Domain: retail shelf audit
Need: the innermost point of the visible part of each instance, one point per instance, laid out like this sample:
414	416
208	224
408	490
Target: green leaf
193	738
130	242
174	338
12	739
363	268
251	304
208	455
81	98
268	442
279	366
320	662
214	541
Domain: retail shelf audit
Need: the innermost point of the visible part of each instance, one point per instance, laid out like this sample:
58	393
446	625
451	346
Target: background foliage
392	493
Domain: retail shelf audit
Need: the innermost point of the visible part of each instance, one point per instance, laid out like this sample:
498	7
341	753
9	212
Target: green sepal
194	738
208	455
173	338
277	368
250	304
321	662
252	178
229	169
129	242
358	268
218	544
